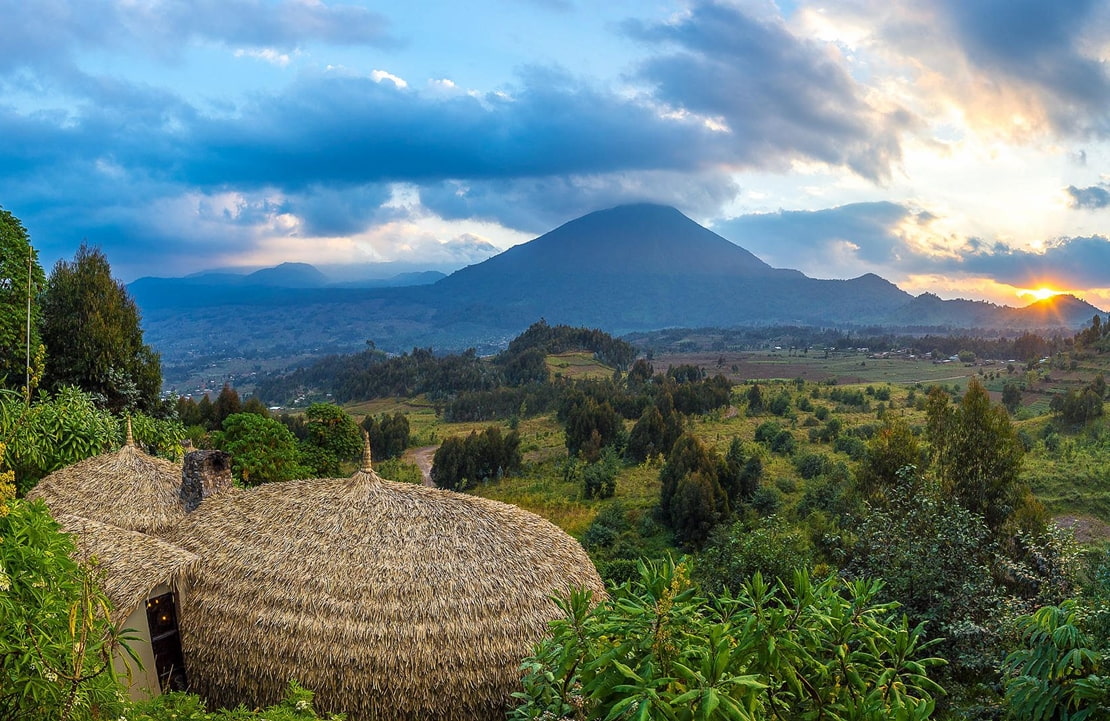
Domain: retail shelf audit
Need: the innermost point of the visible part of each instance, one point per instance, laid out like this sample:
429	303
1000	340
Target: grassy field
1069	470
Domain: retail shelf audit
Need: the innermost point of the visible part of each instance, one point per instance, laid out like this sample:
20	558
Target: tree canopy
17	260
92	335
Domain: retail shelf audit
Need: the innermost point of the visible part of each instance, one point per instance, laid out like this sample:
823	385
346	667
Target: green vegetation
90	327
20	307
297	706
896	510
56	640
660	649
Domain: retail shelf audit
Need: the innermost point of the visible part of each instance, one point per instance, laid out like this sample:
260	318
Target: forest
775	547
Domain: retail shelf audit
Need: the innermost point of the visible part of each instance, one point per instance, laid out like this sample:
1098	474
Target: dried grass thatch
390	600
130	563
128	488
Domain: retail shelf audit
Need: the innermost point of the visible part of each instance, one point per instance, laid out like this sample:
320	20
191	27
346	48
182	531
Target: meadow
1068	468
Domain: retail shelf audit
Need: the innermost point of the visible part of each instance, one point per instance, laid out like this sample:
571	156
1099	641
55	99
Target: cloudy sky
952	146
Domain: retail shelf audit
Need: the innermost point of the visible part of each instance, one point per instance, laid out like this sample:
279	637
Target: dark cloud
1067	262
1040	44
347	130
835	242
328	211
537	205
1094	197
45	34
844	241
780	96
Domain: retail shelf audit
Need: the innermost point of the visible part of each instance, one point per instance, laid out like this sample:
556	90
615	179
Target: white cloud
268	55
379	75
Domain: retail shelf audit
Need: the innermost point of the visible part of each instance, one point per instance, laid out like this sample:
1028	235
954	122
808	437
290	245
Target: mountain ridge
624	269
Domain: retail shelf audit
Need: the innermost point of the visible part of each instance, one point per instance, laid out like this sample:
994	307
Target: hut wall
144	681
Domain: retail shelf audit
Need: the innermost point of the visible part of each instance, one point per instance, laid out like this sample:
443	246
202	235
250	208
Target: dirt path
423	457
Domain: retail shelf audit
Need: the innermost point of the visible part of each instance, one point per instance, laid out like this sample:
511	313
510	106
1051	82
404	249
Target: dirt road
423	457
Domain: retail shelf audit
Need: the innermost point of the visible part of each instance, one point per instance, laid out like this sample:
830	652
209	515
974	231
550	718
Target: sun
1043	292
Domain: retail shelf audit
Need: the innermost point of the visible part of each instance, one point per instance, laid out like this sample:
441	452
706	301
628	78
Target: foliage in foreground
56	641
658	649
1059	672
296	706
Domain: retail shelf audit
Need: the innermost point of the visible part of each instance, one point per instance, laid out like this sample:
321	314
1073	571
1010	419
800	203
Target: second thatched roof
128	564
128	488
389	600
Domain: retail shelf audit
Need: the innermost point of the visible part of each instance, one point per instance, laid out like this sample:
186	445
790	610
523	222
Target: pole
30	251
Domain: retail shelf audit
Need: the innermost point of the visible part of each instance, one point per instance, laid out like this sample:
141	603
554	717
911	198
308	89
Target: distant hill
626	269
287	275
928	310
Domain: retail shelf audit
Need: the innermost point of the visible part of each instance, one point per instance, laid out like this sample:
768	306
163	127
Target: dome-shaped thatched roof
389	600
127	488
130	563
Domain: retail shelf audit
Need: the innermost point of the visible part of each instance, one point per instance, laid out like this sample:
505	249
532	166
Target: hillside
630	268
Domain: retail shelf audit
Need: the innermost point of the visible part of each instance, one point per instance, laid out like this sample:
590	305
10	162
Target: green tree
389	435
770	546
262	449
891	449
90	326
460	463
1011	397
227	404
739	473
52	432
646	439
591	426
977	457
333	438
937	560
755	399
17	259
1059	673
599	479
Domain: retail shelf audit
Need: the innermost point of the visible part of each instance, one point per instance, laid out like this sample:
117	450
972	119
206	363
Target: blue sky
952	146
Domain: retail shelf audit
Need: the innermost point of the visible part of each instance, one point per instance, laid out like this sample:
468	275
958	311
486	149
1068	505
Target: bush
262	450
599	480
56	641
297	706
52	433
734	554
659	649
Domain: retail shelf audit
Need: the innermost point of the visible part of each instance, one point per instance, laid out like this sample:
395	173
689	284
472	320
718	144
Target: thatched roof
127	488
130	563
389	600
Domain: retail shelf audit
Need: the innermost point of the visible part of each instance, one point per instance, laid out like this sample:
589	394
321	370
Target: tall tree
21	278
978	457
90	326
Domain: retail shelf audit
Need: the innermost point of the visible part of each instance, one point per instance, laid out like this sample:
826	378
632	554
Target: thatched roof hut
128	489
130	563
389	600
140	575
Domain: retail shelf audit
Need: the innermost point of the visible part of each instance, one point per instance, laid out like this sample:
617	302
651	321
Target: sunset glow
344	132
1042	293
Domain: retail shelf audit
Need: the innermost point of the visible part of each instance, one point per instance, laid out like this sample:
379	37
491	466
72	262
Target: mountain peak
288	275
642	239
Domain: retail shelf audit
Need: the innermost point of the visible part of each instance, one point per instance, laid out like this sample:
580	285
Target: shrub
56	640
660	649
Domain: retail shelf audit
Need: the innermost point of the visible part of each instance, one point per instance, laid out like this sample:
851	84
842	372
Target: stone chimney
204	474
